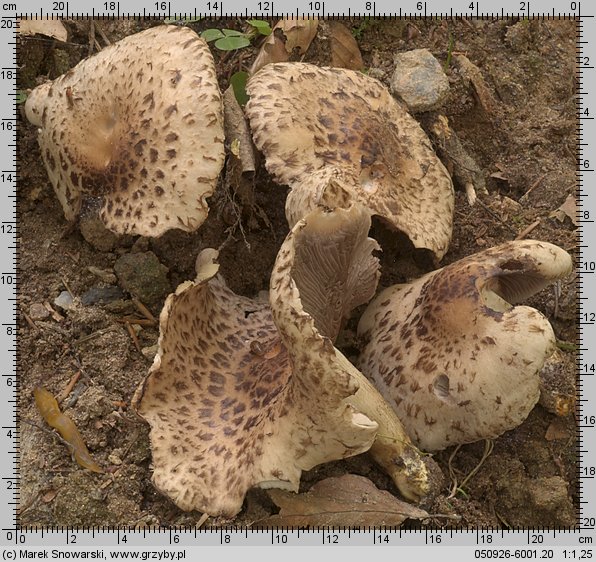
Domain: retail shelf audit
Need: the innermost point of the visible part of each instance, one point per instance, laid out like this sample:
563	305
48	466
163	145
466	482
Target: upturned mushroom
451	351
243	395
315	124
138	125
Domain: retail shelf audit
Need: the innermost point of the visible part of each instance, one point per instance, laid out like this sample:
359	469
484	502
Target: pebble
419	81
105	275
65	301
38	311
102	295
142	275
149	352
96	234
114	459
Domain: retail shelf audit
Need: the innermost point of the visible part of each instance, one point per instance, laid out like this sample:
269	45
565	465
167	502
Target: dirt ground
524	145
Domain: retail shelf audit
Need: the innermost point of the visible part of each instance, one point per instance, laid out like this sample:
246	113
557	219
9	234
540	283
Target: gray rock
96	234
64	301
38	311
101	295
105	275
142	275
419	81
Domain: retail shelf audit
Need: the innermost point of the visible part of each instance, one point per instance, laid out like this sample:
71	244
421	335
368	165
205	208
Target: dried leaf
289	36
474	76
567	209
345	52
49	28
557	430
347	500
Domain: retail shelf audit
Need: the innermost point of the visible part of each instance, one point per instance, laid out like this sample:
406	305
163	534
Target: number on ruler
368	6
12	536
58	6
382	539
161	6
316	6
111	6
213	6
6	23
264	6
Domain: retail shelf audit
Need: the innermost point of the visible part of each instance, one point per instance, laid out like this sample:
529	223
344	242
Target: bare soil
526	142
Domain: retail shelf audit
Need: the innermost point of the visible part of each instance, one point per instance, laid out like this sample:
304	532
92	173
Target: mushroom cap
453	355
306	120
238	396
139	124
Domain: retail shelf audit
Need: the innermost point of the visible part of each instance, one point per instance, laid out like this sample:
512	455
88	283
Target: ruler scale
558	544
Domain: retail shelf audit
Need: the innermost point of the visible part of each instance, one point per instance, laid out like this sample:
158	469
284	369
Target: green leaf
22	97
261	26
238	83
231	43
232	33
212	34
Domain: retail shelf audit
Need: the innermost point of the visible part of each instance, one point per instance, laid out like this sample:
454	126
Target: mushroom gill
320	128
451	352
139	124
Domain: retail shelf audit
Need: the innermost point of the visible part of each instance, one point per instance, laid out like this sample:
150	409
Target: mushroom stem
392	449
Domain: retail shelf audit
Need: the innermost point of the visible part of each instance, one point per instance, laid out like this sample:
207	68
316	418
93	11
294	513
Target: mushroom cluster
244	393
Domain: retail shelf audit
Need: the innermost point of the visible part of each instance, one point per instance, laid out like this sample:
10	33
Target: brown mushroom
241	394
454	358
314	123
140	125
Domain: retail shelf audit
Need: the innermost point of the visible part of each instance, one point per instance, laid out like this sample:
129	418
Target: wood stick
68	388
527	230
133	336
143	309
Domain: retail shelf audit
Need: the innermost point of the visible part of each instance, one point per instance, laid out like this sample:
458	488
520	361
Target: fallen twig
528	229
144	310
133	336
68	388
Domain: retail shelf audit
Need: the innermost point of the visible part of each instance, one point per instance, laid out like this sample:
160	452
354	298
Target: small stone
114	459
149	352
96	234
142	275
65	301
102	295
38	311
141	245
104	274
419	80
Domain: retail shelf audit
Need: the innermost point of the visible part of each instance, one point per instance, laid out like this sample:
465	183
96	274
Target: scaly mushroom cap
307	119
454	358
237	397
139	124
